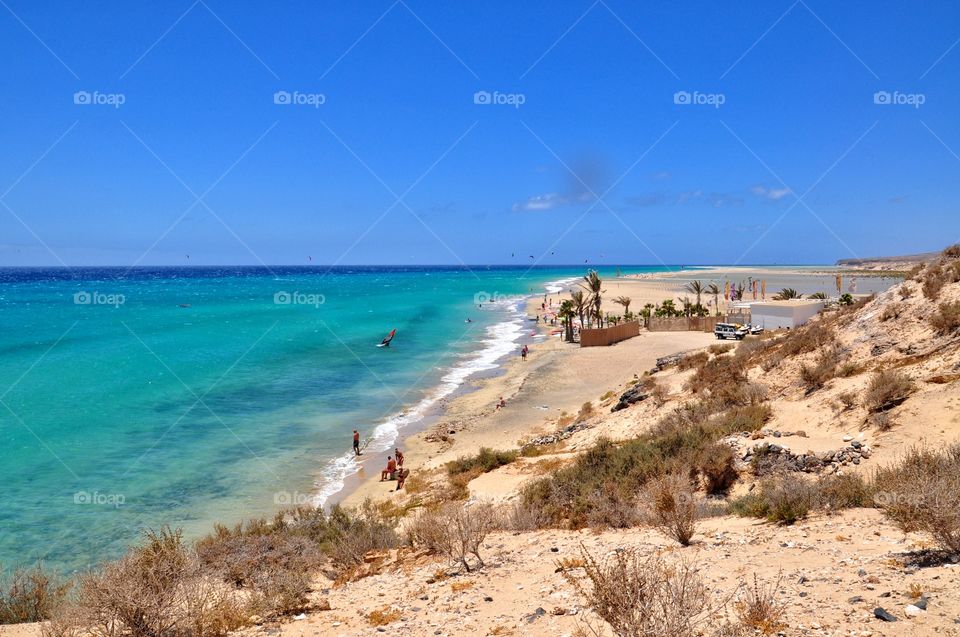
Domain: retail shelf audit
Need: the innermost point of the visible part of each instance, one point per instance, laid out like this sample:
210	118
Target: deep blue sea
185	396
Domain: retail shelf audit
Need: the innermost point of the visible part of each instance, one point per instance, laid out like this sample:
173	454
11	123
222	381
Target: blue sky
781	156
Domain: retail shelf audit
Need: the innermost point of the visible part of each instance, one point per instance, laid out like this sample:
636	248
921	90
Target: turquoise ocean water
185	396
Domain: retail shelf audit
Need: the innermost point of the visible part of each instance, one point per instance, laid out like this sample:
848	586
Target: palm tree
625	301
714	289
820	296
593	285
566	314
696	288
786	294
579	304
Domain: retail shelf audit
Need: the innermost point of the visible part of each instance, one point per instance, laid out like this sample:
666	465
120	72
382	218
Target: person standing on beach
356	442
524	352
399	457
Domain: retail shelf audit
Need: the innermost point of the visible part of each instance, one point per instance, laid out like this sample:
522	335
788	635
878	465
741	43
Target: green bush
485	461
783	499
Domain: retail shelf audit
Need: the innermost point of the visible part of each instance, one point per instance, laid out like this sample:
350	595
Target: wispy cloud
539	203
771	194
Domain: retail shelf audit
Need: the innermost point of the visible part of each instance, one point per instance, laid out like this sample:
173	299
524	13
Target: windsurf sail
389	337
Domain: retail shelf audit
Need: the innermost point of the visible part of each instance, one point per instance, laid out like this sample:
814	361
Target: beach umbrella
763	289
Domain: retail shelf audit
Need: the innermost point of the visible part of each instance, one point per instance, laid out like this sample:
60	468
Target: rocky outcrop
770	455
635	394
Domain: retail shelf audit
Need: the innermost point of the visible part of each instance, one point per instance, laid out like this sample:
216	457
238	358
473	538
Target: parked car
730	330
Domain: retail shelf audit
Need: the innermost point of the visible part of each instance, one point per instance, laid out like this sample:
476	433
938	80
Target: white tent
772	315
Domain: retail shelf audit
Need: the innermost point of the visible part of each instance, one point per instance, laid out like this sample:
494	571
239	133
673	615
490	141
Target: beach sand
560	377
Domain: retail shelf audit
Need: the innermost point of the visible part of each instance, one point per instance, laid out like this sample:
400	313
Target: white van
730	330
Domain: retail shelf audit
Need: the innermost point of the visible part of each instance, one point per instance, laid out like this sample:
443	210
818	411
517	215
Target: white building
772	315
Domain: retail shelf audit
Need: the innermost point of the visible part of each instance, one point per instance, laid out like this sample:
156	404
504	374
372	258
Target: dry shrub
671	507
158	588
816	376
644	596
891	311
848	369
847	491
921	492
586	410
454	530
951	252
720	348
932	281
657	392
459	587
905	291
780	499
691	361
847	400
519	517
946	319
383	616
887	389
30	595
758	607
740	419
716	467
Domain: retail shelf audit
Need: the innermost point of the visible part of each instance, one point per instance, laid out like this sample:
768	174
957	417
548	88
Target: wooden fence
609	335
693	323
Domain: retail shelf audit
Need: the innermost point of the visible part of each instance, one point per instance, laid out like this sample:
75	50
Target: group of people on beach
394	469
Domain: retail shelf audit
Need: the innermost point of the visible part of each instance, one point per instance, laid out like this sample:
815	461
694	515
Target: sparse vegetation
720	348
454	530
485	461
693	361
946	319
921	492
779	499
758	607
671	507
30	595
887	389
816	376
644	596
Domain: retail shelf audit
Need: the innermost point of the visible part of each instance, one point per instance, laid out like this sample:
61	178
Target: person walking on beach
524	352
399	457
387	473
356	442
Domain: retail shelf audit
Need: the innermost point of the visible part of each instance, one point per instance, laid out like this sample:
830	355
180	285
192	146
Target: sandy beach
558	378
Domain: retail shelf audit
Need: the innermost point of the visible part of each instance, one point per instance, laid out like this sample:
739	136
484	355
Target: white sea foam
500	340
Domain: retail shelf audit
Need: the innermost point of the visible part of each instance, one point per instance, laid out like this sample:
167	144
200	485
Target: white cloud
539	203
773	194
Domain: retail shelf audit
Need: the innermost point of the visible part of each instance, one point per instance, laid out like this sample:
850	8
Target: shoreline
557	379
